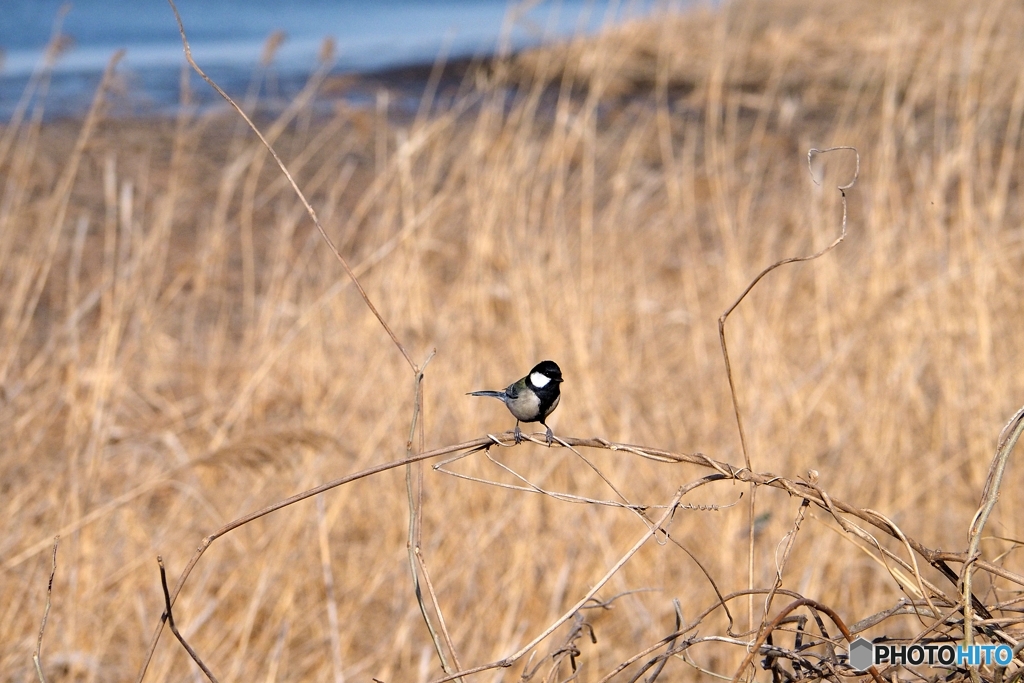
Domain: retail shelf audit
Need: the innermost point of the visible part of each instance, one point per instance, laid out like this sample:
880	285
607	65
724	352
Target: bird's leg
516	434
550	435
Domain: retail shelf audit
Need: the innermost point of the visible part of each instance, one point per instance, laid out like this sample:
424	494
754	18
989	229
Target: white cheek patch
538	380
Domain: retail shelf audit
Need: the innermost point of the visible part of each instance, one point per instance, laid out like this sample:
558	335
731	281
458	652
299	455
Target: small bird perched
532	398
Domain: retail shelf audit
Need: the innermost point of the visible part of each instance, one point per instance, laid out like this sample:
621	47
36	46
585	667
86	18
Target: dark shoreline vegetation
180	348
130	99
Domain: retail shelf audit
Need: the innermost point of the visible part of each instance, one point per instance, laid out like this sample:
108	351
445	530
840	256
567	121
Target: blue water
227	38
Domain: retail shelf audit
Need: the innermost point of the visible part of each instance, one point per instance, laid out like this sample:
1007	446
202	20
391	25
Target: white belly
525	407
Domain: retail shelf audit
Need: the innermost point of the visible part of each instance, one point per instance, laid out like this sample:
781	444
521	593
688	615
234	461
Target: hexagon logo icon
862	654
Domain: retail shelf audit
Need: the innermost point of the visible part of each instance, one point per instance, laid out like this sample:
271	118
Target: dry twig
37	656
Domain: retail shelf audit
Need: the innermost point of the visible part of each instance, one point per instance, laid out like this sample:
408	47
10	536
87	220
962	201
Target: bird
532	398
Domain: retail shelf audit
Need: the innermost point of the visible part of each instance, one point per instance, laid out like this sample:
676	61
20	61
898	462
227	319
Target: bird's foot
550	436
517	435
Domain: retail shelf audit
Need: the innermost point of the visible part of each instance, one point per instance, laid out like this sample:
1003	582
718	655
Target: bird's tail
500	395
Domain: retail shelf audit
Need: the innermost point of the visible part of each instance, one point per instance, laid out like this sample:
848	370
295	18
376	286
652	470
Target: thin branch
802	602
284	169
683	630
913	559
417	565
780	566
37	657
241	521
722	472
168	615
728	365
513	658
1008	439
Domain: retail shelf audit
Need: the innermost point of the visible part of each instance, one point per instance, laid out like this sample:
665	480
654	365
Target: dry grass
179	348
